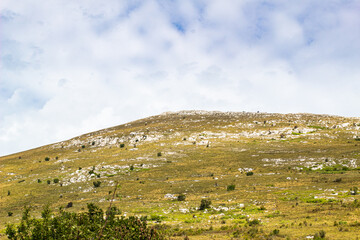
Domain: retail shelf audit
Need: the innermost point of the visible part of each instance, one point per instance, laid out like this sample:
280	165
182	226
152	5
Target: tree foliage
93	224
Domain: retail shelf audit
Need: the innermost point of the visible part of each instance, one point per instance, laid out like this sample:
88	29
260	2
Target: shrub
92	171
48	181
249	173
69	205
262	208
335	168
337	180
9	192
231	187
181	197
131	168
97	184
83	146
47	159
56	180
319	235
353	190
122	145
205	203
355	204
39	181
159	154
85	225
156	218
253	222
10	214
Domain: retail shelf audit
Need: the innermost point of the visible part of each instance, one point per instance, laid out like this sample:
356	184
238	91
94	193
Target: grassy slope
200	156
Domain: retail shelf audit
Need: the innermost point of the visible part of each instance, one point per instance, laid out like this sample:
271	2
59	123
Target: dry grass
201	155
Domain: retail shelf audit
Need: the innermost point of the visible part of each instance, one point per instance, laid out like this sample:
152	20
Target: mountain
275	175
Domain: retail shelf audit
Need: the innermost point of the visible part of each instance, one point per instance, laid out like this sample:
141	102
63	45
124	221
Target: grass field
294	176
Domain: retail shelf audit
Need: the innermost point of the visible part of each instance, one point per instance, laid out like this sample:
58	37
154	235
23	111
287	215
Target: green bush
335	168
122	145
319	235
249	173
205	203
92	171
338	180
231	187
181	197
159	154
47	159
97	184
10	214
275	232
353	190
253	222
56	180
48	181
157	218
85	225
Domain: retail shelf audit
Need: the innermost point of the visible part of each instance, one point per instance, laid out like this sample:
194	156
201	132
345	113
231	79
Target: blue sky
70	67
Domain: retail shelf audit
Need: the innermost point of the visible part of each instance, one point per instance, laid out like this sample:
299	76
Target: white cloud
69	67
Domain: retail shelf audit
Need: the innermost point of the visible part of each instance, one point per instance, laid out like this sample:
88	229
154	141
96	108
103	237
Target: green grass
318	127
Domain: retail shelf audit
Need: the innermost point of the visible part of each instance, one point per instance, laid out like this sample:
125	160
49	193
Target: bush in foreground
86	225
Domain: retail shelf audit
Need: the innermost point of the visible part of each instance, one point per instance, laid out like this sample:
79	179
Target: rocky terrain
278	176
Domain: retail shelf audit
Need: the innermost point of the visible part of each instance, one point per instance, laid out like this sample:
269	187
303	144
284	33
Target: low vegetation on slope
85	225
203	175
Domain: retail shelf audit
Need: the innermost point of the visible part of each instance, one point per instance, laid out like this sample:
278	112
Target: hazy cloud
70	67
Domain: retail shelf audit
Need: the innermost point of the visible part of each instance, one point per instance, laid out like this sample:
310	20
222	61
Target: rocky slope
304	168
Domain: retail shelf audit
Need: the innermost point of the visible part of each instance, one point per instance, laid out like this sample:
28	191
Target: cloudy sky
70	67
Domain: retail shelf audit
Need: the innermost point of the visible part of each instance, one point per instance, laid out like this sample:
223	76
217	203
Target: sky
71	67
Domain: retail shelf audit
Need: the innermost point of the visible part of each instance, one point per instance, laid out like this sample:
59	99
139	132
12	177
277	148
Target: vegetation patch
93	224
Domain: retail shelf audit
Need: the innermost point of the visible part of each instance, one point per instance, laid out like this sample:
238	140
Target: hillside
296	173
